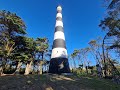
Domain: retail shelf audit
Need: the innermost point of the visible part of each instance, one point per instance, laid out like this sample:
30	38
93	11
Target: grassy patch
55	82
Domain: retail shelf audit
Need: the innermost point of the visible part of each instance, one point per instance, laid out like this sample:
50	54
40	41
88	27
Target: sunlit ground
55	82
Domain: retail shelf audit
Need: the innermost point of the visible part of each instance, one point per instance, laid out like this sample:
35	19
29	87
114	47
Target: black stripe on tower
58	18
59	43
59	28
59	11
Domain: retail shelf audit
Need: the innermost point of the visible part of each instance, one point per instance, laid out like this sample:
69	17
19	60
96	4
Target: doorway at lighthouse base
59	65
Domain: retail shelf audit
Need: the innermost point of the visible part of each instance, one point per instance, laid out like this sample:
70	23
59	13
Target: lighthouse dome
59	8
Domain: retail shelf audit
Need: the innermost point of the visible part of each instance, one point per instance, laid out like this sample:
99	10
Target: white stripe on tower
59	15
59	35
59	23
62	52
59	47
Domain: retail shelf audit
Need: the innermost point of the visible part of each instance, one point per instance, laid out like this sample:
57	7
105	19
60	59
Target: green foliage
9	71
79	72
42	44
11	26
111	24
11	23
14	45
41	47
75	53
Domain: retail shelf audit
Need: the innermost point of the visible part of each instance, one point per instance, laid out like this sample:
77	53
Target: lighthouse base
59	65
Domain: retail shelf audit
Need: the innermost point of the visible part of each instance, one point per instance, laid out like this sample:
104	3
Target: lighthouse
59	57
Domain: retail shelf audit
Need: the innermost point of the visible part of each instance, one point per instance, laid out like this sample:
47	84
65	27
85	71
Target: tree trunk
18	68
104	57
40	67
42	55
2	67
1	70
86	69
74	64
28	68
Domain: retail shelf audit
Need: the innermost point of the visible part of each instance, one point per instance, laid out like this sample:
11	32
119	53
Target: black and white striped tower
59	58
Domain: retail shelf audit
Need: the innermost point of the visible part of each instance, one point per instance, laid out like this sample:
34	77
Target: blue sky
80	17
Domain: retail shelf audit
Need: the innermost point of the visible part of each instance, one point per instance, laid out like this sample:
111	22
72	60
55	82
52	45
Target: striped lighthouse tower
59	58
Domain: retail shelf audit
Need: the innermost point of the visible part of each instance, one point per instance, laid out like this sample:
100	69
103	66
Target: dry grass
55	82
